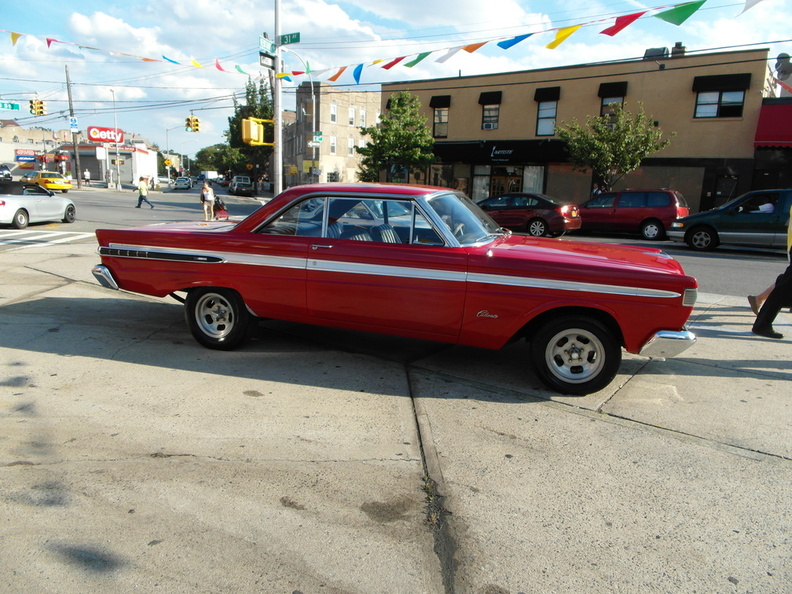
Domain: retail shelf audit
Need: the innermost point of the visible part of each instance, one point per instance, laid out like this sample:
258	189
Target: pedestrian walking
208	201
142	190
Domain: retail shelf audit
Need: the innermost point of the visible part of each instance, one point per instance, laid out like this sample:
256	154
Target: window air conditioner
489	126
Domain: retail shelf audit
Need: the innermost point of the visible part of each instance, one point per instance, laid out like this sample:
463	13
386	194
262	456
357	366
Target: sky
145	65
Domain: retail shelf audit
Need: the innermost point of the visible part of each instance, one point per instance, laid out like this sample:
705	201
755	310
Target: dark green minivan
755	219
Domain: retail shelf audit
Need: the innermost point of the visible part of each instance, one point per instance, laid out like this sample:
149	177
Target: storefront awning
775	125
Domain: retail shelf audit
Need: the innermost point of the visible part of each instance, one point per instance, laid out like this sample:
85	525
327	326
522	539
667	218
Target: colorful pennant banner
676	15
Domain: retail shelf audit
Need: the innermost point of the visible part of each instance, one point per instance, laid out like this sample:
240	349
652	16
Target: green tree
258	104
399	142
220	158
612	145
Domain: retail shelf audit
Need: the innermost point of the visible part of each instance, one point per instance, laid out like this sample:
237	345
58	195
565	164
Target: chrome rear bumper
668	343
104	276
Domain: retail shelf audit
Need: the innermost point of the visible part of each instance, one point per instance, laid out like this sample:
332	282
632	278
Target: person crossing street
142	190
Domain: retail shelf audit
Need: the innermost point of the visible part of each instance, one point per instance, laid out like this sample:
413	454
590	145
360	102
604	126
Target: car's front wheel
64	191
575	355
217	318
537	228
70	214
702	239
21	219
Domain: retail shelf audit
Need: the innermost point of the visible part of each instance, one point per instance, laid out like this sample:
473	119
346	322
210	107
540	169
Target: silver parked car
22	203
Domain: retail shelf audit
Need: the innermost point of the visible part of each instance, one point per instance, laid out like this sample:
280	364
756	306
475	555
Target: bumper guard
668	343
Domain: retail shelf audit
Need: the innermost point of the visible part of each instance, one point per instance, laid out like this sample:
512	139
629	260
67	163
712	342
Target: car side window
602	201
35	191
632	200
303	219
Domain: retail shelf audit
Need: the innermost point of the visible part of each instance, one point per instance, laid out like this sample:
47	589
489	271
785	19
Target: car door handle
317	246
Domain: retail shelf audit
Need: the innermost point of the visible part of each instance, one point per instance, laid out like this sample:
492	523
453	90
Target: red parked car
536	214
412	261
648	212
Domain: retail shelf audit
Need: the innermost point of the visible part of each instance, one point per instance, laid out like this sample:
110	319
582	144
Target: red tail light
569	210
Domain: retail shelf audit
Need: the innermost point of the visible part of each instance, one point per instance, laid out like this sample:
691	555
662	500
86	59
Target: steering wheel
459	229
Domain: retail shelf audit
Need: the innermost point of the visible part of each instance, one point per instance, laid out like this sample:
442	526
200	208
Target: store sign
98	134
25	155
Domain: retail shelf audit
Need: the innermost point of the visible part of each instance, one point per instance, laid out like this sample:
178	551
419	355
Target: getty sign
98	134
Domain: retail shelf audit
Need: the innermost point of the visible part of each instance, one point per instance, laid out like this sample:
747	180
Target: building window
332	145
490	109
723	104
720	95
362	118
350	147
611	96
547	110
351	116
333	112
440	105
440	123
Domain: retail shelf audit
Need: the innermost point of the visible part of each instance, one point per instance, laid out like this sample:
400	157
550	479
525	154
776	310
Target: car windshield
466	220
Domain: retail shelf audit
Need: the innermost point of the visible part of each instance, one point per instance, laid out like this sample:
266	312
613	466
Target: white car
182	183
22	203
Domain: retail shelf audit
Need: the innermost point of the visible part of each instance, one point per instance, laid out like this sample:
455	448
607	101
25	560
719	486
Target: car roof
15	188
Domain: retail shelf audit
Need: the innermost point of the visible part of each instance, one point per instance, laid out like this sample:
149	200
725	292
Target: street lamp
115	128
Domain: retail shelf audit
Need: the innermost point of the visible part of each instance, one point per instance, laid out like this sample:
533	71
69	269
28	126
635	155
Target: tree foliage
399	142
221	158
612	145
258	104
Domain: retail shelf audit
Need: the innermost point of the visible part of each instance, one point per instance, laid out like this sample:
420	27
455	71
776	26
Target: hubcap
575	356
214	316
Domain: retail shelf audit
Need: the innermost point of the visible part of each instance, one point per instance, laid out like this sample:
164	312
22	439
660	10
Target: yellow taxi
52	181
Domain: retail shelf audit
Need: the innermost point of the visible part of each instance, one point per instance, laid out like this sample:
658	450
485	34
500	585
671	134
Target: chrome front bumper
668	343
104	276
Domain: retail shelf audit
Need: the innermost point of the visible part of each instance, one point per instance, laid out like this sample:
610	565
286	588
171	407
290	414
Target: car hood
561	258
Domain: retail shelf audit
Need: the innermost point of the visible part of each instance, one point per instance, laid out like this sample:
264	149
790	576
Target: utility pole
75	135
277	116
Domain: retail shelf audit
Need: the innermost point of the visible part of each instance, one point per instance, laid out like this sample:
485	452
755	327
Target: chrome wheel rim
575	356
214	316
701	239
537	229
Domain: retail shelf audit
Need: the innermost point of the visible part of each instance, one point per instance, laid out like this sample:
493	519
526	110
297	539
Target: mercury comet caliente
412	261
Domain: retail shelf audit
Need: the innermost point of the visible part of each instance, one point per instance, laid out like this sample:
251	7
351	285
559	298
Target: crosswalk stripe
25	239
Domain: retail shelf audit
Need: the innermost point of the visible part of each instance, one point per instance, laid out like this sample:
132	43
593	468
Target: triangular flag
509	43
196	64
622	22
750	4
356	72
169	60
393	63
337	74
217	65
680	13
15	37
451	53
50	40
420	57
562	35
473	47
237	66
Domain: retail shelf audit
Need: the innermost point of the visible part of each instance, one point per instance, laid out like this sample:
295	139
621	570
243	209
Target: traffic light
196	124
253	132
188	123
38	107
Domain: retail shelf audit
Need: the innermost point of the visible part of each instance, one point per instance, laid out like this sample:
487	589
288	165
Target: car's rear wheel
70	214
702	238
21	219
217	318
537	228
575	355
64	191
652	229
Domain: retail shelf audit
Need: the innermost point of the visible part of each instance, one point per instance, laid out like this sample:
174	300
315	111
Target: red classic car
412	261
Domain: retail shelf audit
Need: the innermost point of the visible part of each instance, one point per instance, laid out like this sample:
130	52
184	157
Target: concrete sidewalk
319	460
